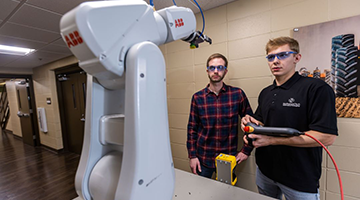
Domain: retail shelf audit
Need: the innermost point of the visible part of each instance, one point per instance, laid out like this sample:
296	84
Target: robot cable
332	159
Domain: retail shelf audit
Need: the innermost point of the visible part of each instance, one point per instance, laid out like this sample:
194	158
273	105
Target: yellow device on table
225	168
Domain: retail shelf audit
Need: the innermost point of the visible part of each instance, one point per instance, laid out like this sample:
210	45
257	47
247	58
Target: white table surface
193	187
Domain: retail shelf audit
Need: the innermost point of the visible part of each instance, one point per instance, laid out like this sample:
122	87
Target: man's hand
261	140
241	157
248	119
195	163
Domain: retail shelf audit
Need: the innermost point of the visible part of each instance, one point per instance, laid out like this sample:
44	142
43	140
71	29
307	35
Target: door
73	89
25	111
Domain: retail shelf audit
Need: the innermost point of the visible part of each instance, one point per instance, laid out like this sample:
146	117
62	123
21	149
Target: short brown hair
281	41
217	55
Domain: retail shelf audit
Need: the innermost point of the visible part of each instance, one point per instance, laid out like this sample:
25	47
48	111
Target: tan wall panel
350	183
346	158
285	32
246	181
200	85
241	9
343	9
180	75
178	121
250	26
253	103
218	34
348	132
323	179
179	106
179	151
179	59
213	17
248	47
177	46
182	164
183	90
249	68
252	87
336	196
302	13
178	136
163	49
248	166
281	3
322	194
201	74
202	54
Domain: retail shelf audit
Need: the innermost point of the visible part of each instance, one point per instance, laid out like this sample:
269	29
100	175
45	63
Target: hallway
35	173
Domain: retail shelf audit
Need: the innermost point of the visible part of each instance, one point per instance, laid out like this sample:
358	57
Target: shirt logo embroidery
291	103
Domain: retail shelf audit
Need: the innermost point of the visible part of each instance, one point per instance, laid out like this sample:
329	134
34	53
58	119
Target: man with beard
213	121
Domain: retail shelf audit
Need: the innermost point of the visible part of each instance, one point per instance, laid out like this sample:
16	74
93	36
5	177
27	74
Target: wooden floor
28	173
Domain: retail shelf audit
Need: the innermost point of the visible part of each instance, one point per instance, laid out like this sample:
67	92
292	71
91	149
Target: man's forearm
305	141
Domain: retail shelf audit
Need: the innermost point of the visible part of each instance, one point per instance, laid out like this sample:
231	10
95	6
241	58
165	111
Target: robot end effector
196	38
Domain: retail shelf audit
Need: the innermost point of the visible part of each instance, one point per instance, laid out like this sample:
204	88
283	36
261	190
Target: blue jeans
205	171
274	189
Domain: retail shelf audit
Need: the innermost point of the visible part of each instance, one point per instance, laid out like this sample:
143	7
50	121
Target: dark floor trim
52	150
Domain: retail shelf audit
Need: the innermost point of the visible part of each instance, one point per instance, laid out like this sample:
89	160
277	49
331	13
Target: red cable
337	170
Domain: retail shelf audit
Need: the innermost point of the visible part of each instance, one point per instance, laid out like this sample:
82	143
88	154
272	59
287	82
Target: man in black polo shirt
291	165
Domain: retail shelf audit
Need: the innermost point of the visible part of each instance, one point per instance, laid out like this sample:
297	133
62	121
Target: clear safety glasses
219	68
280	56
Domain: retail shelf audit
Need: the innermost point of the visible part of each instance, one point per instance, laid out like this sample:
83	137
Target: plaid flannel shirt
213	123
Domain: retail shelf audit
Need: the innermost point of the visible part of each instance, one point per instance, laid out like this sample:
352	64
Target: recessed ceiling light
11	50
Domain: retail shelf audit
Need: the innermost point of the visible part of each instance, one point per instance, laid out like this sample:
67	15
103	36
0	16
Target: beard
216	80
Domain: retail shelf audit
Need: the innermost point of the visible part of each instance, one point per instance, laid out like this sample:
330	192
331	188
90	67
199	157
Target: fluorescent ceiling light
19	51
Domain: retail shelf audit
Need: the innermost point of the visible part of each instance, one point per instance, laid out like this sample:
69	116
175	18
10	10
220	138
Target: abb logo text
73	39
179	23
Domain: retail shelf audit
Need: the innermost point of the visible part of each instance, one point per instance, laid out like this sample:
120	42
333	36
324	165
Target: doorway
25	98
71	84
25	110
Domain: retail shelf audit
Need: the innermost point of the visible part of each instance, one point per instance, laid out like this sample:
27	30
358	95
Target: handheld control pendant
252	128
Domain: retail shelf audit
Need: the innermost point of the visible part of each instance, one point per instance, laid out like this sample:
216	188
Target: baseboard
52	150
7	131
16	136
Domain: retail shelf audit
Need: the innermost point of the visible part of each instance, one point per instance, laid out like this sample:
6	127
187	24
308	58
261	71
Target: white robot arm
126	152
100	33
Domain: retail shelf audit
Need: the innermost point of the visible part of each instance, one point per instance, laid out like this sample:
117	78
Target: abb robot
126	151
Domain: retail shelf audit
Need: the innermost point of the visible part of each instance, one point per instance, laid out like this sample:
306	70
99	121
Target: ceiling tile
5	59
6	7
207	5
36	59
59	41
27	63
15	30
40	18
57	49
41	54
61	7
19	42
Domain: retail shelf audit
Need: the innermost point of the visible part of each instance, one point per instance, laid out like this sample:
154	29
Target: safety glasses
219	68
280	56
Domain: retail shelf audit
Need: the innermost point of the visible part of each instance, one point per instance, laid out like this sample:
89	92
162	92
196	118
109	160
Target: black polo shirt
304	104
